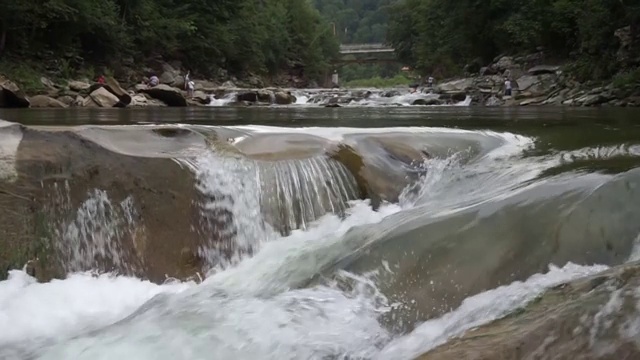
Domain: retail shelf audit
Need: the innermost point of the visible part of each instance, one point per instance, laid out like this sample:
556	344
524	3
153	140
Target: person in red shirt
101	79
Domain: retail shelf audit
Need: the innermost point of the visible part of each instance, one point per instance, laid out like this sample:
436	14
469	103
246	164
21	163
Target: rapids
307	241
365	97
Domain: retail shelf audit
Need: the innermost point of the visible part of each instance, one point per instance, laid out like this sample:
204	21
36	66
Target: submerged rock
379	165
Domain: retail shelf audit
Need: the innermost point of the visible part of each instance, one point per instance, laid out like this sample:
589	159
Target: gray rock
284	98
533	101
201	98
456	86
102	98
168	95
79	86
43	101
11	96
431	101
543	69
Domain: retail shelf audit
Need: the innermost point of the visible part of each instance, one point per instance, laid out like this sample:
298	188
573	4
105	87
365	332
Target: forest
442	36
268	37
239	36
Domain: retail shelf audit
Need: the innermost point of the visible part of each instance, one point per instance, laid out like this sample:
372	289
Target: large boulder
102	98
11	96
265	96
456	86
43	101
284	98
503	64
201	98
535	85
114	87
167	94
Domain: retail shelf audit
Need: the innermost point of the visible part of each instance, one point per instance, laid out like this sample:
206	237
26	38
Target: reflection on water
527	118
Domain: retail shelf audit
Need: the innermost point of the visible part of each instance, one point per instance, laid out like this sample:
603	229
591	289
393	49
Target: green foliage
24	75
627	78
441	36
379	82
206	35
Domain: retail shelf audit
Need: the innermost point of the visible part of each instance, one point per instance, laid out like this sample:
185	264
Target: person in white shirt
190	88
507	87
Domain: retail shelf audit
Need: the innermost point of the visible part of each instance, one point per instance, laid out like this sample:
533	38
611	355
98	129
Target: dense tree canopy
443	35
237	35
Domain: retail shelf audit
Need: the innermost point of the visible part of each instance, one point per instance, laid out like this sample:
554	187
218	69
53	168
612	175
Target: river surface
510	202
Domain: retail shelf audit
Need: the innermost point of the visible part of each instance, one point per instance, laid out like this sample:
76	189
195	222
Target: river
467	215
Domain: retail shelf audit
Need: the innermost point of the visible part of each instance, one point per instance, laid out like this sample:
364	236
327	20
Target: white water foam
253	310
481	309
62	308
223	101
339	133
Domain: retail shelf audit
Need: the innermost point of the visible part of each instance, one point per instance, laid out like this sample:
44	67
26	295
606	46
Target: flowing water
504	204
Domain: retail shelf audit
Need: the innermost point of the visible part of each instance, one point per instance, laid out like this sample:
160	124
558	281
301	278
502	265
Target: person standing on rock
507	87
190	88
187	79
334	79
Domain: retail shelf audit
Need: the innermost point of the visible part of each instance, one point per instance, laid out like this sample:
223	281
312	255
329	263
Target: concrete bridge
346	49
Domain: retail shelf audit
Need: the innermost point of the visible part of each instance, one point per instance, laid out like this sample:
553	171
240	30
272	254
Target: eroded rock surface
593	318
79	206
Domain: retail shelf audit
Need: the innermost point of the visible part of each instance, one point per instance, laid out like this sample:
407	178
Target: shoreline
540	85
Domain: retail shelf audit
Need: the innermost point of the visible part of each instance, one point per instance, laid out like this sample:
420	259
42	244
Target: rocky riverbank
541	79
170	92
535	81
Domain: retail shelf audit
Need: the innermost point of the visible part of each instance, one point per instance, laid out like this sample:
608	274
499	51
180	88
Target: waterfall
297	192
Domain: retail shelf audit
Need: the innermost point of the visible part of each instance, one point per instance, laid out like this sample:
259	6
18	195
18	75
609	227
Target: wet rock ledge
592	318
134	200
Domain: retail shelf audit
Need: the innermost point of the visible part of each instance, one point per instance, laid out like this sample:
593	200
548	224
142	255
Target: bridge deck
365	49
